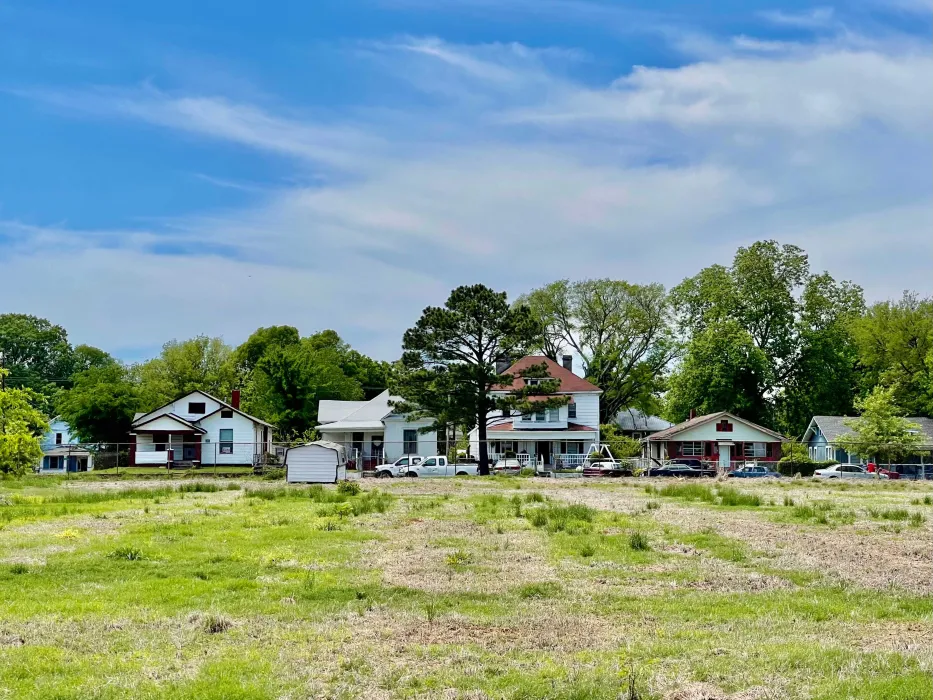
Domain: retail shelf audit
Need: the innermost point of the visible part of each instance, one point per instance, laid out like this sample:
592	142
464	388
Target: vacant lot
466	588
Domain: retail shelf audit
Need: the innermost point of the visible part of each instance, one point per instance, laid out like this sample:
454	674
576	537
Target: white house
199	429
558	436
62	451
720	438
372	432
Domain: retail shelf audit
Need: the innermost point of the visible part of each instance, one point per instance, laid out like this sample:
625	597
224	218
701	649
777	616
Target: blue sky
175	168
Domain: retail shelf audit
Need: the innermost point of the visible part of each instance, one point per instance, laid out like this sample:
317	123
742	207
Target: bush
349	488
791	467
274	474
639	541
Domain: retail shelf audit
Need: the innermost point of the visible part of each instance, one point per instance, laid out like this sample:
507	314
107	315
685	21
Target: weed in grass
274	475
459	558
539	591
688	492
431	610
917	519
349	488
215	624
500	529
535	497
587	550
329	526
788	501
201	575
639	541
653	505
19	569
889	513
729	496
516	503
127	554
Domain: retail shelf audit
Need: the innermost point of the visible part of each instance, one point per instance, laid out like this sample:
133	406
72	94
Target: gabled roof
834	427
633	419
369	416
700	420
138	416
228	407
329	411
569	382
172	416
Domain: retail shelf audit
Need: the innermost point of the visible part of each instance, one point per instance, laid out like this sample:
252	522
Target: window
553	415
724	426
429	462
226	413
410	440
58	438
755	449
827	453
540	416
532	382
571	410
159	446
226	441
691	449
196	407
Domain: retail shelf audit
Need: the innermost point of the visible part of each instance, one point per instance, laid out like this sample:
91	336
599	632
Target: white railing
569	461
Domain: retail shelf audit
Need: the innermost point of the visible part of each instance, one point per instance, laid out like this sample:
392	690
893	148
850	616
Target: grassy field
466	588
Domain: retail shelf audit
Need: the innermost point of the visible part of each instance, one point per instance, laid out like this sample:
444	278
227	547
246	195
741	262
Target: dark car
684	468
754	472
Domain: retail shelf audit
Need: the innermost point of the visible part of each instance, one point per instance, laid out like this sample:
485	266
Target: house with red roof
552	437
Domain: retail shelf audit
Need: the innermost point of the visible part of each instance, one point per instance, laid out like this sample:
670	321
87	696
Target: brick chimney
567	362
235	399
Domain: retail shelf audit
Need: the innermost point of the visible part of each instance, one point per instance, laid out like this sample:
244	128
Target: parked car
507	465
396	468
438	465
756	471
686	471
870	468
846	471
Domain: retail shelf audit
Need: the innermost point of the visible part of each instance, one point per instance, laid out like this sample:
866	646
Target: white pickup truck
398	468
414	466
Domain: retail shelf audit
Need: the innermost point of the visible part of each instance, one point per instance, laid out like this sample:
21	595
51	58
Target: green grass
468	587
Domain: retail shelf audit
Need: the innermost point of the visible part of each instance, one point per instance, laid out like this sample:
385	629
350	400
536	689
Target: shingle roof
368	416
700	420
834	427
633	419
508	425
329	410
569	382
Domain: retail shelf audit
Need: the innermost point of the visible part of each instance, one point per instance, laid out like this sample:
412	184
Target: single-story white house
319	462
721	438
62	451
199	429
371	432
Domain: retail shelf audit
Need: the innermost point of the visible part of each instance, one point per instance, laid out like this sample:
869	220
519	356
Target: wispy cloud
815	18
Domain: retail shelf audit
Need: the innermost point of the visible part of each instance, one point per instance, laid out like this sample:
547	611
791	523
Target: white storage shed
319	462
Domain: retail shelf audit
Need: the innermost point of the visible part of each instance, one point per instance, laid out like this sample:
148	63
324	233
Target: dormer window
532	382
196	407
724	426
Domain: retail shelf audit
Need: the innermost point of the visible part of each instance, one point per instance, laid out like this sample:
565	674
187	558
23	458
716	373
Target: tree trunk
483	447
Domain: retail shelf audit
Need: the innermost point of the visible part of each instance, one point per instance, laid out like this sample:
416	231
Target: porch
364	449
560	454
156	448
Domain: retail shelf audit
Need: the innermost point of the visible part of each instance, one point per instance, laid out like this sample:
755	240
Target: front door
544	452
725	456
188	453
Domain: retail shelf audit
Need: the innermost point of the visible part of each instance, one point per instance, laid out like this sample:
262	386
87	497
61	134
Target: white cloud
815	18
516	176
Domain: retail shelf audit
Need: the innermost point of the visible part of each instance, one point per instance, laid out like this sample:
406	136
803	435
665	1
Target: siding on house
395	427
587	410
246	443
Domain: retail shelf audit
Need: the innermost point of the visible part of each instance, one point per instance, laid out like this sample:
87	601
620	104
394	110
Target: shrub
127	553
639	541
276	474
349	488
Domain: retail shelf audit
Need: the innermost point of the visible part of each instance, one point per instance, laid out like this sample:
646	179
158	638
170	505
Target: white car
398	468
846	471
507	465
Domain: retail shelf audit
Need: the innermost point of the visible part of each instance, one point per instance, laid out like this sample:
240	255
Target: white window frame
758	450
691	449
407	444
226	446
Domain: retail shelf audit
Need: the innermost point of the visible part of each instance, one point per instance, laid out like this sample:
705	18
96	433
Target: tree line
764	337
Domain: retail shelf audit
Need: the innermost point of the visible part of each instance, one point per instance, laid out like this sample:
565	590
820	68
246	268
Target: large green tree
621	331
785	331
881	431
289	381
35	351
21	429
247	355
201	363
462	341
723	370
100	406
895	349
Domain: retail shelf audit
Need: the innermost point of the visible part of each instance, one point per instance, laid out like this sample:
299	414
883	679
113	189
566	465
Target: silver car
846	471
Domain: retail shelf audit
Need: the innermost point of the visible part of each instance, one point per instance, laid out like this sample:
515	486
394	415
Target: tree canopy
100	406
881	431
621	331
21	428
201	363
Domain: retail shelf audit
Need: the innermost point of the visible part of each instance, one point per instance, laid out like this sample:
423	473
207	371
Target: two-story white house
558	436
62	451
371	432
199	429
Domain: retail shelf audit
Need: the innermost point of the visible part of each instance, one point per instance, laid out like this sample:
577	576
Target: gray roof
633	419
700	420
834	427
